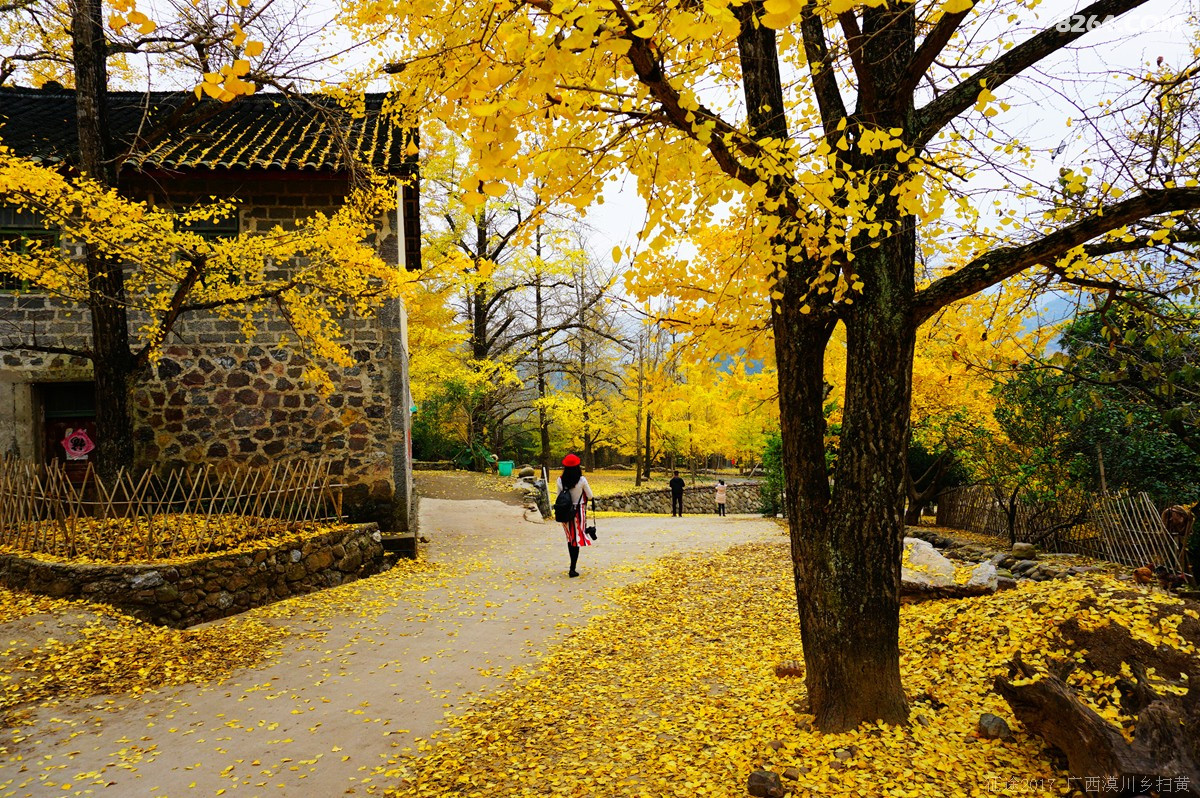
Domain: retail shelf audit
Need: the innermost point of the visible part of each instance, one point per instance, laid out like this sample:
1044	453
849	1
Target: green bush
772	486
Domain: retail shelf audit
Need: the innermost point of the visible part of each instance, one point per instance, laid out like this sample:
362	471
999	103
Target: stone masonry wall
701	499
219	397
186	593
247	405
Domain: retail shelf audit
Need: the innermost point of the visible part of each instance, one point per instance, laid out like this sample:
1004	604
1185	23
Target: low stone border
742	497
1022	562
186	593
433	465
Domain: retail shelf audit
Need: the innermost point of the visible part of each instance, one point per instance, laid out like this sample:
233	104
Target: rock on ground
993	727
765	783
924	565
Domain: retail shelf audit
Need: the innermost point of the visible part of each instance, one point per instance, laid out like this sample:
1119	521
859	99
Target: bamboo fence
980	508
46	510
1124	529
1132	532
973	507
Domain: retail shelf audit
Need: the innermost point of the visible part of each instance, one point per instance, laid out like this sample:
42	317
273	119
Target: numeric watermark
1126	23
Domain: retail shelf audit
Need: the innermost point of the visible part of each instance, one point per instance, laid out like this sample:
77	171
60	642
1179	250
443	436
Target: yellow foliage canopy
332	271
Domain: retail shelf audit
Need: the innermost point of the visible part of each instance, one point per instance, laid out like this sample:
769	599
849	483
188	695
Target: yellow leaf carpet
675	694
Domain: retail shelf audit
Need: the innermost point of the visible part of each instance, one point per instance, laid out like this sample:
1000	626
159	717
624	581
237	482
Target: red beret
570	460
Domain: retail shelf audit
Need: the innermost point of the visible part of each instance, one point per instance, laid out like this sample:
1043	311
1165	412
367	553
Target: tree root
1165	747
913	592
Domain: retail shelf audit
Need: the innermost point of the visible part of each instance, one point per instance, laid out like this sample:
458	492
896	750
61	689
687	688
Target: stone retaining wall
433	465
701	499
186	593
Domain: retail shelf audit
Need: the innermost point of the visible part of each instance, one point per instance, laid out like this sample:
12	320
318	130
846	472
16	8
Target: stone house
216	396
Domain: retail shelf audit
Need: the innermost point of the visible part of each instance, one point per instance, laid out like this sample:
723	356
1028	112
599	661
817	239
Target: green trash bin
505	467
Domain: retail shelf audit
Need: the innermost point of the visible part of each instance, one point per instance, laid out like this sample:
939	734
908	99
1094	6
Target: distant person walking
676	484
720	497
575	485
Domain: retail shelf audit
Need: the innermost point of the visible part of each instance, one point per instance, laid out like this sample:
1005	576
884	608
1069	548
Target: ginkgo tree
86	67
336	272
511	269
861	164
210	46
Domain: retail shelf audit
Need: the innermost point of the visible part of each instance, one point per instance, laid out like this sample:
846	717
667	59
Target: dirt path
369	671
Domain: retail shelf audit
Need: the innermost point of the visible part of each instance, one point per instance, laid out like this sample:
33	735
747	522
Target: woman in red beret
576	483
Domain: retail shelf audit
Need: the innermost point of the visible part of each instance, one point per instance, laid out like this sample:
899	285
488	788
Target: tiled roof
259	131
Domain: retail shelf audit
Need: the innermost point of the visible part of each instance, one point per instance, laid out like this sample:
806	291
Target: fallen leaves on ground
674	693
92	649
59	649
53	651
160	538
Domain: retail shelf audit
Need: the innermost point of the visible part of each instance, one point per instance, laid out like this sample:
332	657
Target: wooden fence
973	507
1123	529
1132	532
45	510
983	509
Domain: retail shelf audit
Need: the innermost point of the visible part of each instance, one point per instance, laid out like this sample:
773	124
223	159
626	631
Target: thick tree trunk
479	425
112	360
865	526
847	546
112	366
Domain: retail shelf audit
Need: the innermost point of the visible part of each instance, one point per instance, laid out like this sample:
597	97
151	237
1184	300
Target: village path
369	670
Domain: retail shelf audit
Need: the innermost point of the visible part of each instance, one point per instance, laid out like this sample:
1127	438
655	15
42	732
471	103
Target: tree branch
938	113
649	72
174	309
9	346
820	67
855	42
933	44
273	293
1000	264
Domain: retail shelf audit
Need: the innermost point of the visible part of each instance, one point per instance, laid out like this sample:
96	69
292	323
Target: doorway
68	423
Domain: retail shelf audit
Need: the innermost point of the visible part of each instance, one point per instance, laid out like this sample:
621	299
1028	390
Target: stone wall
218	396
185	593
433	465
247	404
701	499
